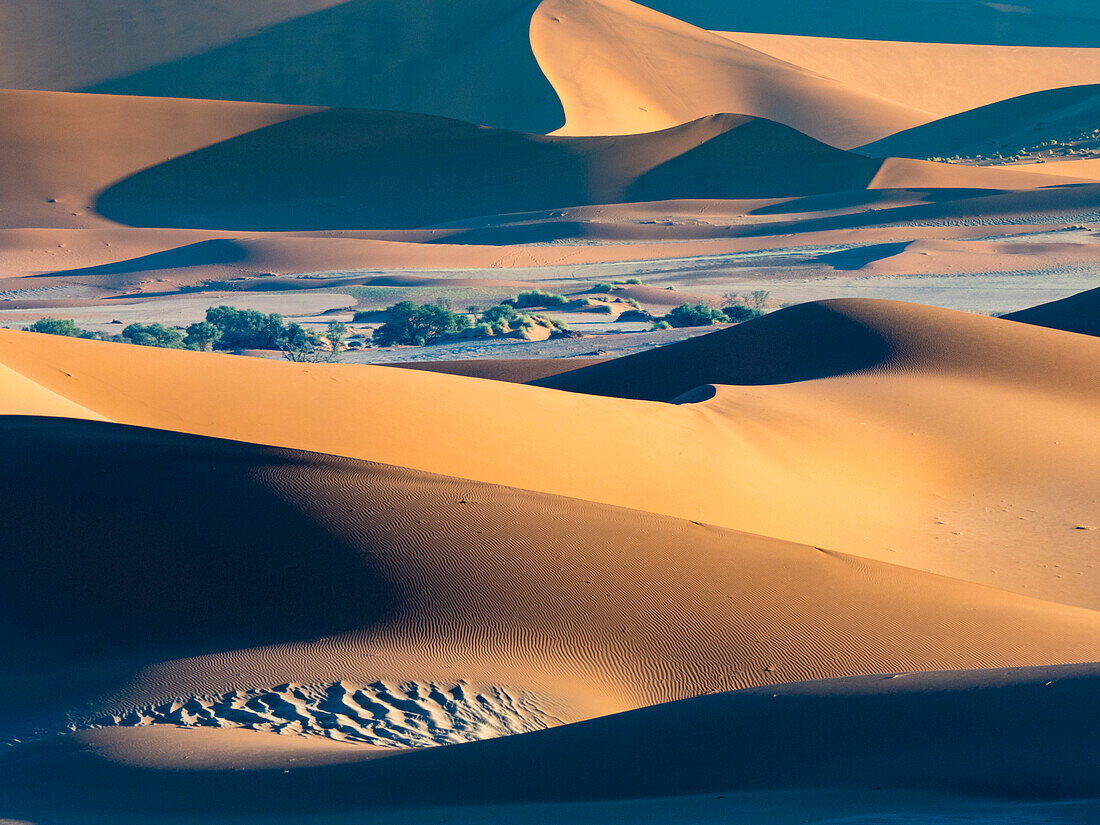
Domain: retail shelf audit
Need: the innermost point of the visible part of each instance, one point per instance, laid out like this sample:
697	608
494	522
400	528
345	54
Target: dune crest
622	68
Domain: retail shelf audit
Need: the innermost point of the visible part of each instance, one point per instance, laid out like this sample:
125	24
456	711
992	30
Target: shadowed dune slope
1007	125
823	339
78	160
471	61
620	68
940	440
1000	736
316	569
1077	313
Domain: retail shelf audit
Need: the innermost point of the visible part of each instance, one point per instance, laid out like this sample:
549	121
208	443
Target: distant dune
1077	313
941	78
470	61
80	160
621	68
1001	127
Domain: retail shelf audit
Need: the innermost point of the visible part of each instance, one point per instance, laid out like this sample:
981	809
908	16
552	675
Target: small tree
336	334
201	336
407	323
153	335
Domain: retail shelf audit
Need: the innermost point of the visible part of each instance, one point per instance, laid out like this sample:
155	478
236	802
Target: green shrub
739	312
635	315
662	324
601	286
695	315
538	298
499	313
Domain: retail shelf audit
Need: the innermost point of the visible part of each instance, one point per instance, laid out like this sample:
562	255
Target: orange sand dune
1077	313
504	369
81	160
940	78
943	256
620	68
371	574
965	443
467	60
1003	127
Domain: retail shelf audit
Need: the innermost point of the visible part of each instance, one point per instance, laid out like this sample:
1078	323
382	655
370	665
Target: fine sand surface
940	78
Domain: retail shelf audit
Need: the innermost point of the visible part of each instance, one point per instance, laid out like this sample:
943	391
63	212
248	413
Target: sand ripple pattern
407	715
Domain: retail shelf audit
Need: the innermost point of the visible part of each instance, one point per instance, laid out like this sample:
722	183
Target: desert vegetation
225	328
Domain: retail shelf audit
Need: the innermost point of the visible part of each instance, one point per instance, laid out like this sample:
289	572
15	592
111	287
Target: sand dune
928	479
940	78
1001	127
232	166
620	68
1077	313
379	587
938	256
519	371
833	564
467	60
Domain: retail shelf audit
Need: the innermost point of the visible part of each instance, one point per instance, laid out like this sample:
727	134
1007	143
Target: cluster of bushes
536	298
225	328
700	315
503	319
411	324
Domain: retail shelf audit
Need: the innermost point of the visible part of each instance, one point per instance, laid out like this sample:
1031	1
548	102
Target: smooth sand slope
945	256
1003	127
940	78
377	596
944	441
78	160
620	67
472	61
1077	313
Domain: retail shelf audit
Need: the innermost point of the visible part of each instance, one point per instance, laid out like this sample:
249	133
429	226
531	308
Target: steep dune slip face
619	67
